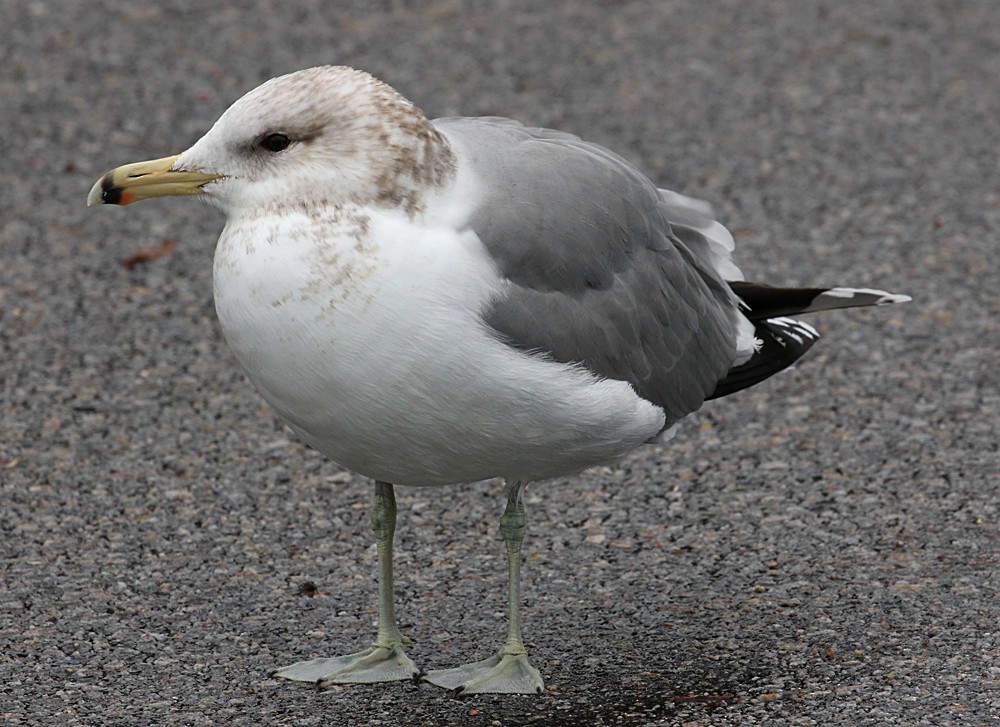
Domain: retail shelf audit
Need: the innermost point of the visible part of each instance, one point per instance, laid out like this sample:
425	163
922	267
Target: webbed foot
374	664
500	674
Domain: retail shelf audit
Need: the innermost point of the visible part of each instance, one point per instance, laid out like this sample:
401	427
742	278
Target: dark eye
275	142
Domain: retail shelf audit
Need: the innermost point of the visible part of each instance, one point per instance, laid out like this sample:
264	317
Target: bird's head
321	136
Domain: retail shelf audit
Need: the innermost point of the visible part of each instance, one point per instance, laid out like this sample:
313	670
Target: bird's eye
275	142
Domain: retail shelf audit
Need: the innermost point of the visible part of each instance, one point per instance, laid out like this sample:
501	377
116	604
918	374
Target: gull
431	303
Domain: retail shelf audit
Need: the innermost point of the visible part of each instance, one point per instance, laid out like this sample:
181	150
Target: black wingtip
763	302
783	342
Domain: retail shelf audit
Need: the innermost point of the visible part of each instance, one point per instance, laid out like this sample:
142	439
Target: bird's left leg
507	672
384	660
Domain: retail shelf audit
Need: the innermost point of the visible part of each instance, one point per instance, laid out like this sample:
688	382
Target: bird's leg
383	516
384	660
508	672
513	524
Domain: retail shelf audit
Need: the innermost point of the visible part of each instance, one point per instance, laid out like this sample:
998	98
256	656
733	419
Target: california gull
438	302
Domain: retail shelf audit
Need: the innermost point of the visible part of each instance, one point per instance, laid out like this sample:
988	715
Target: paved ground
822	550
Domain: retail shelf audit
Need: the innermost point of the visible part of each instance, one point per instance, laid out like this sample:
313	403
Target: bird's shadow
582	694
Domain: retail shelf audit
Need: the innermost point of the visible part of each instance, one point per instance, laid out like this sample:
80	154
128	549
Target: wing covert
597	274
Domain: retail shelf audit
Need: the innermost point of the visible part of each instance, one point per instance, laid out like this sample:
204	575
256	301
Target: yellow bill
142	180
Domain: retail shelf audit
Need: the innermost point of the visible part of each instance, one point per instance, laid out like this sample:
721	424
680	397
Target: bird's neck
418	161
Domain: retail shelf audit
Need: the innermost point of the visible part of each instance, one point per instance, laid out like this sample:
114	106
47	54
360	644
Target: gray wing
598	274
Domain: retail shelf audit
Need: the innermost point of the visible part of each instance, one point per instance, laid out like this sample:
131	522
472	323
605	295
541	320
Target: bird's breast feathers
363	329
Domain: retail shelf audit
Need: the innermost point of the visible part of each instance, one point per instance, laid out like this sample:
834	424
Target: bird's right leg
508	671
384	660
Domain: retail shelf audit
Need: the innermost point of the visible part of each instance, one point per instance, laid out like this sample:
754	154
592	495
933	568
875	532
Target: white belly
370	345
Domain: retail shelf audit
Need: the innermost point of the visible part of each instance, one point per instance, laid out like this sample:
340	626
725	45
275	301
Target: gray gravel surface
821	550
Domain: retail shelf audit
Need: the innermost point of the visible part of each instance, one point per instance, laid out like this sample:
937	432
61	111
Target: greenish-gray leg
383	516
513	524
384	660
507	671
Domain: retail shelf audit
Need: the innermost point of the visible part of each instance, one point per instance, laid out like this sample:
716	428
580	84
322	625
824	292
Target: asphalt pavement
820	550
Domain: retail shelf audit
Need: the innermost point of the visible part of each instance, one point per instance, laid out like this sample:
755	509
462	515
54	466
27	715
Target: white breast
363	331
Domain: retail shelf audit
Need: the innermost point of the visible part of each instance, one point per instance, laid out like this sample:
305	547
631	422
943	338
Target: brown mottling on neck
421	159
